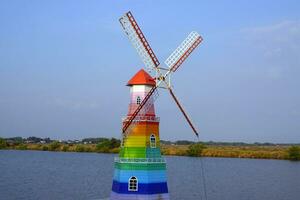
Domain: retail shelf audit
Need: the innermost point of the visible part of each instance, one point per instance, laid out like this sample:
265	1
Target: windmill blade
183	51
129	121
183	112
138	40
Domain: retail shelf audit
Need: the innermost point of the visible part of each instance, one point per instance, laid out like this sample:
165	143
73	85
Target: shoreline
251	152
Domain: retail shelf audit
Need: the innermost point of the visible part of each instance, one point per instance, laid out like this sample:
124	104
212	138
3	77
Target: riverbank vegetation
294	153
251	151
179	148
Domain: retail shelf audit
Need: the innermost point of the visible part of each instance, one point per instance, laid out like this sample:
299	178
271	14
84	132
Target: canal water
88	176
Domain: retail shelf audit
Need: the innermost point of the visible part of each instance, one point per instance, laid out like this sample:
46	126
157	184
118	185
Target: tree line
112	145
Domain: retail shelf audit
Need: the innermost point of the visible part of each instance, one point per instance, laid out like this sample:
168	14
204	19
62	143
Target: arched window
138	100
152	141
133	184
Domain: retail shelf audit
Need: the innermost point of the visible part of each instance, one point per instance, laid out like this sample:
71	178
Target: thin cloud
278	44
279	37
292	27
74	104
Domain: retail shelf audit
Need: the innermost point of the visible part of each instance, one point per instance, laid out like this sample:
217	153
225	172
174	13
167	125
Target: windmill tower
140	170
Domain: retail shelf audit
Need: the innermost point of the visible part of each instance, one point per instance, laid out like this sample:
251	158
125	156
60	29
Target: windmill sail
138	40
183	112
173	62
183	51
140	146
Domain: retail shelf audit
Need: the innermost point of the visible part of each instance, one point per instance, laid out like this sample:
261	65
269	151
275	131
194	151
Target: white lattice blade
136	42
181	49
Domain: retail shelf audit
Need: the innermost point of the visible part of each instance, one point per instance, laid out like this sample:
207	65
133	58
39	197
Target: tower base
116	196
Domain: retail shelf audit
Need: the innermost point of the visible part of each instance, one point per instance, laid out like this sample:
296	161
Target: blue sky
64	66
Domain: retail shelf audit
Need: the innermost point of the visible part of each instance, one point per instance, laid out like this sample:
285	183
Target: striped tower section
140	170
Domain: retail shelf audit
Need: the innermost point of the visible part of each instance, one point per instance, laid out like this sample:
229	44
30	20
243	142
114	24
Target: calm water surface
64	176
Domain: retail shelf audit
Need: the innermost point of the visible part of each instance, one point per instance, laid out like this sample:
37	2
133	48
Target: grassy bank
259	152
65	148
178	148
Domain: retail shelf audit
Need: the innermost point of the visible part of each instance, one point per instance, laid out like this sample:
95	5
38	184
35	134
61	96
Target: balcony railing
143	118
140	160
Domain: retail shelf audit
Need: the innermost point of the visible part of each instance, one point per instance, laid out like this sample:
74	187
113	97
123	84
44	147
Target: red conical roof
141	78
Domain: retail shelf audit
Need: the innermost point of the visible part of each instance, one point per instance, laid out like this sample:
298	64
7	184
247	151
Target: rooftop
141	78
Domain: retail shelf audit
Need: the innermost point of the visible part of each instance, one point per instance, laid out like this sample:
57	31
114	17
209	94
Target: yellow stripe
139	141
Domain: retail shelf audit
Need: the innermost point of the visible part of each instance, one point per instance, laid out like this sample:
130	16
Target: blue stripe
153	152
151	188
143	176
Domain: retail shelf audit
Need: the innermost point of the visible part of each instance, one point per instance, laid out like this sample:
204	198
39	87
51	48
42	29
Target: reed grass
259	152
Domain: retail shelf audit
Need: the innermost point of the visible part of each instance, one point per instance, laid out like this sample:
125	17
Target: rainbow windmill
140	170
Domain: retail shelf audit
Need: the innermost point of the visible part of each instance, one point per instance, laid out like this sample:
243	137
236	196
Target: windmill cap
141	78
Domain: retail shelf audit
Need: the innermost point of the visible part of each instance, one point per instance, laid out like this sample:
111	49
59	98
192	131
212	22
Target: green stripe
139	152
140	166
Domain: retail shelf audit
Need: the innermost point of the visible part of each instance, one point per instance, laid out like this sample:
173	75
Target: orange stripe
145	129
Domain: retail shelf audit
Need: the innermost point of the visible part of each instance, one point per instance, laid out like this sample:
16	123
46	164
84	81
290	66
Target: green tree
103	146
3	143
22	147
114	143
53	146
45	148
65	148
79	148
195	149
107	145
294	153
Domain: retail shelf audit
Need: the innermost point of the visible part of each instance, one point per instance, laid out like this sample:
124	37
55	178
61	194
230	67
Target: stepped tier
140	171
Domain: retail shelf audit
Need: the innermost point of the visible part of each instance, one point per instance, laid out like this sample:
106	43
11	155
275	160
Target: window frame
152	144
133	187
138	100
